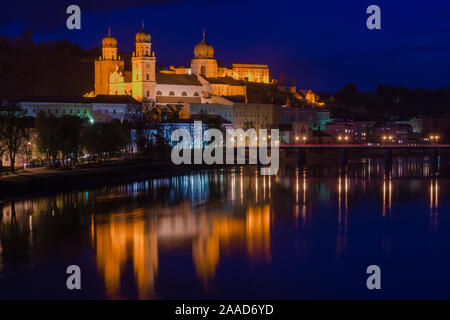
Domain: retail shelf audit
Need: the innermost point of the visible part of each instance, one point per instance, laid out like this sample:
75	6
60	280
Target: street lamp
434	138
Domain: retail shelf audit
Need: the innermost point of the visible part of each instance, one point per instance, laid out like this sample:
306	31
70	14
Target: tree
69	133
13	132
349	95
105	139
2	148
47	136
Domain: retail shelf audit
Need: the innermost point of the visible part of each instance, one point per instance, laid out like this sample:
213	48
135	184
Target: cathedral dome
143	36
109	41
203	49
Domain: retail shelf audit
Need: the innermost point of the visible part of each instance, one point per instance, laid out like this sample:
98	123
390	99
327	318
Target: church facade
203	82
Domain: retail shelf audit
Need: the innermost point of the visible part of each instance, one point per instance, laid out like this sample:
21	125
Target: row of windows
223	114
147	76
171	93
252	122
244	114
114	111
77	111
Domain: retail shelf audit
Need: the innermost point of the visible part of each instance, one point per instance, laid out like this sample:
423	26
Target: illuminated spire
109	31
142	24
203	34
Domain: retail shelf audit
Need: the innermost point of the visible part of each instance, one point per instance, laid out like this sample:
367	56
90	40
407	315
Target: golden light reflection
304	199
297	195
119	238
434	204
341	239
256	185
258	232
387	195
297	188
253	229
132	236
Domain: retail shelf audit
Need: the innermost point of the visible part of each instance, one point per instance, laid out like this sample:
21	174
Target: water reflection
300	198
387	194
138	237
434	203
200	226
118	239
341	240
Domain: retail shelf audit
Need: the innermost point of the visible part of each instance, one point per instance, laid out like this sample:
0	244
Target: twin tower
143	61
140	82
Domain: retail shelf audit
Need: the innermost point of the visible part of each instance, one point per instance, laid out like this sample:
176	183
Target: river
306	233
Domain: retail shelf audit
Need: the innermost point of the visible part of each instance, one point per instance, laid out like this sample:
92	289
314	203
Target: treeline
390	101
69	141
65	139
56	68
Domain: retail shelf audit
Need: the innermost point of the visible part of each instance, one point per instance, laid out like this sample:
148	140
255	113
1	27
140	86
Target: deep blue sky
324	44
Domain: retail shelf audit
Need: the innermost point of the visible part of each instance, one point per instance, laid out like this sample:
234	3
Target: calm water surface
307	233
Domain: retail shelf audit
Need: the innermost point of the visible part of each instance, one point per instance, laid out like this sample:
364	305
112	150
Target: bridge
343	148
365	146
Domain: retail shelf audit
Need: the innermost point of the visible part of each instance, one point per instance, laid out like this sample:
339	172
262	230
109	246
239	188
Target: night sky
323	44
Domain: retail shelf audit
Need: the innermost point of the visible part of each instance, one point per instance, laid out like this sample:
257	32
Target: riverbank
43	181
31	183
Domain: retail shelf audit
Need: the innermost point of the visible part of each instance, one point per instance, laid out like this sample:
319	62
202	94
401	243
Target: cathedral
204	81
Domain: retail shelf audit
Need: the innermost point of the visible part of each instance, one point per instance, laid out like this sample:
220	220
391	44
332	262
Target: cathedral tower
203	62
143	67
106	64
